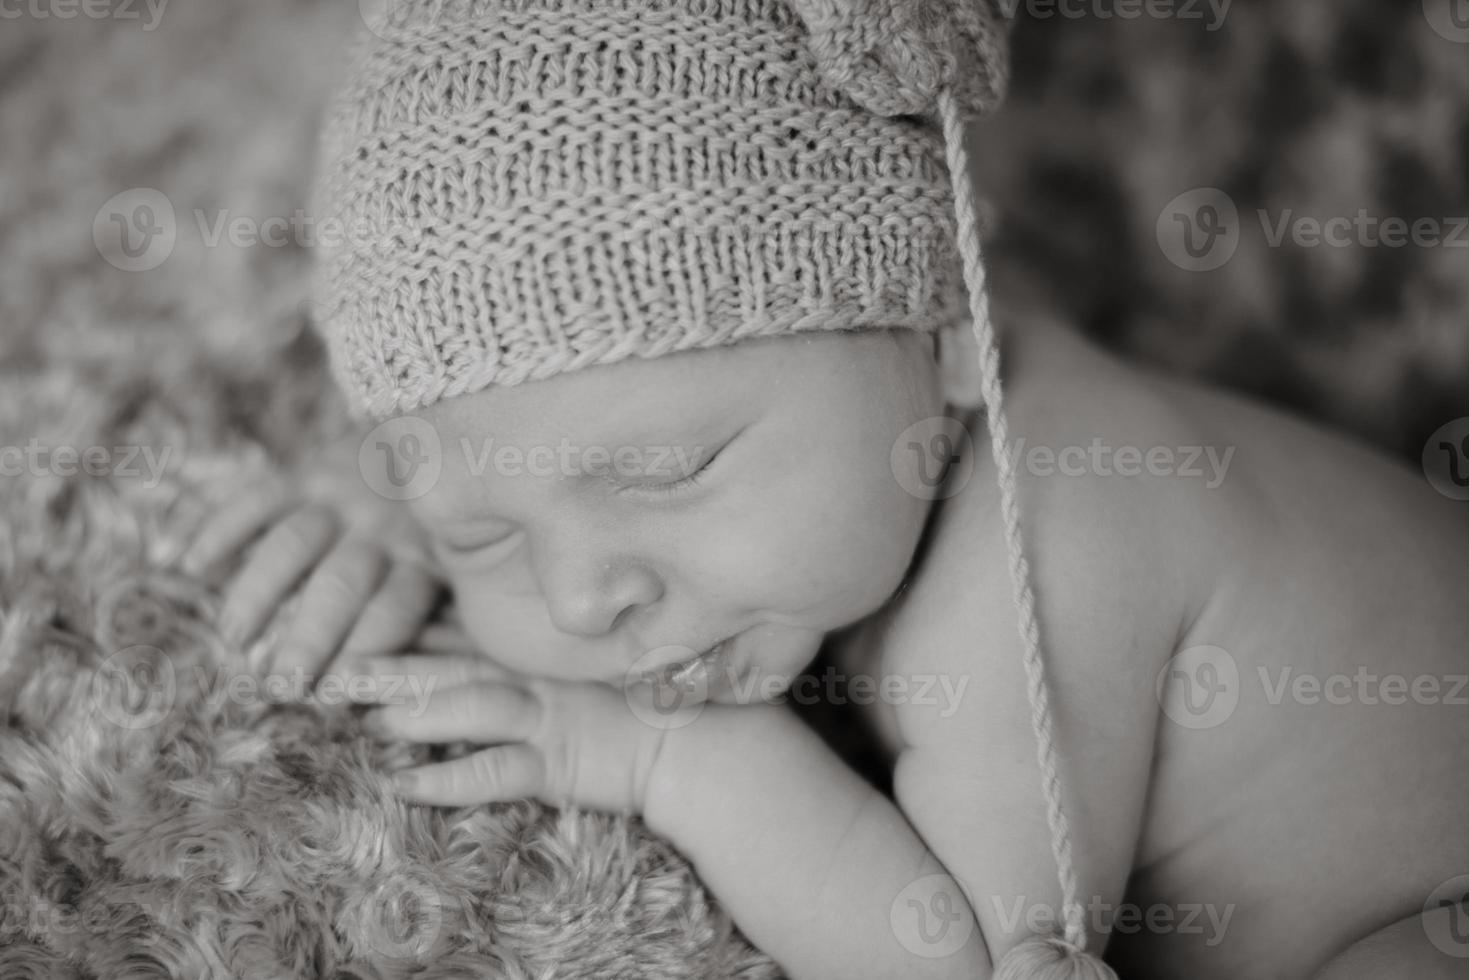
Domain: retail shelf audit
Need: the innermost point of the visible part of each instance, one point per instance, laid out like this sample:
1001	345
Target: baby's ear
958	360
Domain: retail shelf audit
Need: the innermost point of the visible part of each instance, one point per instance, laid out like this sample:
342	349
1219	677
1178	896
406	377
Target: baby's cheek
834	558
509	628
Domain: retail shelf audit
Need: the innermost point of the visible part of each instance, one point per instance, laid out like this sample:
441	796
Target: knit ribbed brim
529	187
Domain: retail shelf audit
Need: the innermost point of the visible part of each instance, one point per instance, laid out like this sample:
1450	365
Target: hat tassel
1040	957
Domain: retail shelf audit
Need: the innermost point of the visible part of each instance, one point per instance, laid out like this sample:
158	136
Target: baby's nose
593	598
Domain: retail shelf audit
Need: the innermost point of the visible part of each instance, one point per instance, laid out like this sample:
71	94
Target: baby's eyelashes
468	542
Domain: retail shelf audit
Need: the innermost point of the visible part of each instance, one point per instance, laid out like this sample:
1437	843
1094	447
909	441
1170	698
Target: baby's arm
808	858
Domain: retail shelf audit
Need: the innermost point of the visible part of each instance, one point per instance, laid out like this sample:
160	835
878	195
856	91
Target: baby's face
637	514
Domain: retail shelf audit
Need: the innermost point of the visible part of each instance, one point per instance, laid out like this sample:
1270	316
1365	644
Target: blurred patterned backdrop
1307	108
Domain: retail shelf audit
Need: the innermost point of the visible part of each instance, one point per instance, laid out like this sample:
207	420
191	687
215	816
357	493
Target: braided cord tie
1072	942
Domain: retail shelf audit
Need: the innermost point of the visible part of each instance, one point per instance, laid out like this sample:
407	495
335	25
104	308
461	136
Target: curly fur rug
154	826
165	817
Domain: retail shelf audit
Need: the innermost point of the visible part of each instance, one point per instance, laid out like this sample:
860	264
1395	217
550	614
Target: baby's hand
356	596
556	741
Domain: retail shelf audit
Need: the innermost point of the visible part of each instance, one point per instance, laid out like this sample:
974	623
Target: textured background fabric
1313	108
1324	106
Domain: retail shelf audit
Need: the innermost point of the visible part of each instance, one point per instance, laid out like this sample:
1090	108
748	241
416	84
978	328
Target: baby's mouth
681	673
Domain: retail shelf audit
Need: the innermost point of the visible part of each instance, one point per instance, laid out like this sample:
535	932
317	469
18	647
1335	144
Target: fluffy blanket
156	820
166	815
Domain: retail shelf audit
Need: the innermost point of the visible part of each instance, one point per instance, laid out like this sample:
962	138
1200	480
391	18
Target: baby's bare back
1296	783
1310	764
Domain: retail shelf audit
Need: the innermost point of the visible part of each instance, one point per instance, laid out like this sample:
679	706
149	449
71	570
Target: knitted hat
531	187
535	186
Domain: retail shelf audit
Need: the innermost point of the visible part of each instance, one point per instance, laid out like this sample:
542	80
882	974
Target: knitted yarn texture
529	187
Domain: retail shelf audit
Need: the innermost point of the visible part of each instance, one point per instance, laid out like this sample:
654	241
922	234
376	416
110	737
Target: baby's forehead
530	415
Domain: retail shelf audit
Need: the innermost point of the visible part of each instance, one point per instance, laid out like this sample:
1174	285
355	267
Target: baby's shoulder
1123	482
1112	588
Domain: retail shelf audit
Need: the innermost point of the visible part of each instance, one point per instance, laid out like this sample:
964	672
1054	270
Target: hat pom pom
892	57
1051	957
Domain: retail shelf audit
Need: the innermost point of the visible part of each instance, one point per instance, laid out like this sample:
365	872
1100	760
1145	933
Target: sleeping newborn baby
701	261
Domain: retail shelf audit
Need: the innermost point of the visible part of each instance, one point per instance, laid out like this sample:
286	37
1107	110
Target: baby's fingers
485	712
275	566
396	614
406	683
505	772
236	525
331	602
